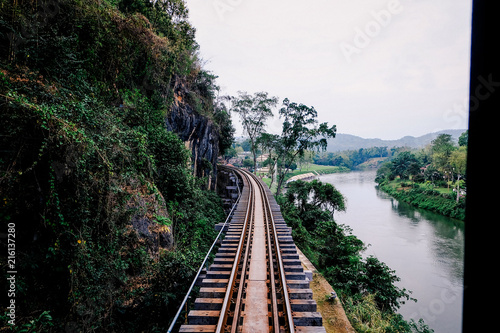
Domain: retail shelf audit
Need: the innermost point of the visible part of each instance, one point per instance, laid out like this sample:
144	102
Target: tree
246	145
247	163
326	196
230	153
315	198
432	174
254	111
268	142
458	162
384	172
169	18
443	144
381	151
404	164
413	169
222	117
463	140
378	279
442	147
300	133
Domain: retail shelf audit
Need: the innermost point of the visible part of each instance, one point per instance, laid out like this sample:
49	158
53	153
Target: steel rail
232	304
237	309
179	311
287	308
224	313
272	233
238	303
274	301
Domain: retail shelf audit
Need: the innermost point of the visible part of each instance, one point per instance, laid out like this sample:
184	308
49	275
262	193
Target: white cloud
414	68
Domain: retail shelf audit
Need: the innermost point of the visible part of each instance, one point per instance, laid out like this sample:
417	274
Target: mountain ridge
344	141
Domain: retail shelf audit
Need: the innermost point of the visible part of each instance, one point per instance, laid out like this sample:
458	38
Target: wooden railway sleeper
278	290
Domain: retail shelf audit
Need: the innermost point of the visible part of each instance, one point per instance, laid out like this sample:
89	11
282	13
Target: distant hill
351	142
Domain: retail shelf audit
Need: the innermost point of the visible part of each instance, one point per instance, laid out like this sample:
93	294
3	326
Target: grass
317	169
396	184
310	167
365	316
334	316
440	200
314	168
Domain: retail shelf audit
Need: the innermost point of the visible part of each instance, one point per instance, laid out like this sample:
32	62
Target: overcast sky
377	69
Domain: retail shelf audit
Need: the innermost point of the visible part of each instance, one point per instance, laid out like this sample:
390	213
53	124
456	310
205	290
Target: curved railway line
256	282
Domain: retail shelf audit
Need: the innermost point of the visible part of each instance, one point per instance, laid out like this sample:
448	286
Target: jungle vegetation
110	221
433	178
366	286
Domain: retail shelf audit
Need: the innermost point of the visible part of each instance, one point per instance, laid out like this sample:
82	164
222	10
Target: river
425	249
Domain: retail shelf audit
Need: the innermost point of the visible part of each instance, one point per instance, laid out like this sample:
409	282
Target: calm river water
425	249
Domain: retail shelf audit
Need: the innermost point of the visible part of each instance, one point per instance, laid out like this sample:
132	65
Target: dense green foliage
301	133
361	282
314	197
441	161
427	198
308	208
110	223
414	176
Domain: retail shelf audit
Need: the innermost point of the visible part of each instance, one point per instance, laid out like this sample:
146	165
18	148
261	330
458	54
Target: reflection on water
425	249
448	234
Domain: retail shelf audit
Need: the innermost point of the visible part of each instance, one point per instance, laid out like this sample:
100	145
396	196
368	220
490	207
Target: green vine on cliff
111	219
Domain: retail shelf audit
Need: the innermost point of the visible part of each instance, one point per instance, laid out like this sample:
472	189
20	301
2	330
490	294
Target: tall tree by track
300	134
268	142
442	148
254	111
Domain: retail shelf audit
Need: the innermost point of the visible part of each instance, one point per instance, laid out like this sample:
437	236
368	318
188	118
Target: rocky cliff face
199	133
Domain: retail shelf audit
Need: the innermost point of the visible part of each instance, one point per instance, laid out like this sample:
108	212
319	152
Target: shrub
337	253
430	199
419	178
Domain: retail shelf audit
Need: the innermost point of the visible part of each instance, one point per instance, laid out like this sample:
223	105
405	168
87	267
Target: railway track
256	282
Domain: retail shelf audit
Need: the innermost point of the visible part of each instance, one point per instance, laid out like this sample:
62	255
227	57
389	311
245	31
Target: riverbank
425	198
424	248
365	285
318	169
314	169
334	317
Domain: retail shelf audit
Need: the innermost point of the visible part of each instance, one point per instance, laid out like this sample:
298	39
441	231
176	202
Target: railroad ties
305	316
214	296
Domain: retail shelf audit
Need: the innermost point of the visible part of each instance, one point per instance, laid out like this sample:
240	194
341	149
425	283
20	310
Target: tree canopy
440	164
254	111
315	195
404	165
300	133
